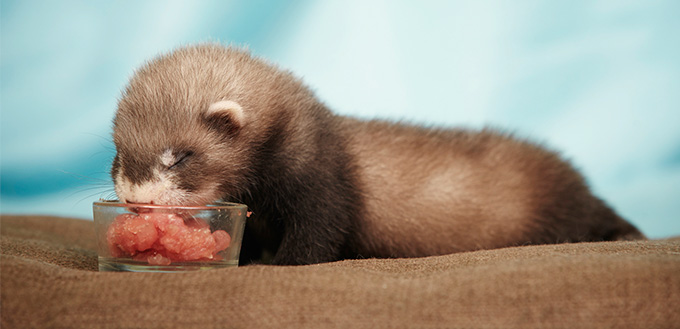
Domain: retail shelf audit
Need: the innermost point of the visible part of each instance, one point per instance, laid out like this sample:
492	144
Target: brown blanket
50	279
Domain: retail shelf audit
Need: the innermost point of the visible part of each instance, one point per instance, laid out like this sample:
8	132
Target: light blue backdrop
597	80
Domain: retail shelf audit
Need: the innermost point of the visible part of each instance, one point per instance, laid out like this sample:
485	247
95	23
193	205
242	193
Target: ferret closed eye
179	159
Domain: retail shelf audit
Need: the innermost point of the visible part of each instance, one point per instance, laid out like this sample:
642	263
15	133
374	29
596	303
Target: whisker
100	153
112	195
104	142
106	139
105	188
84	177
100	193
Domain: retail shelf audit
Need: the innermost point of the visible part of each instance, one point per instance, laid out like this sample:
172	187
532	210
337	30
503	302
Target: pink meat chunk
161	239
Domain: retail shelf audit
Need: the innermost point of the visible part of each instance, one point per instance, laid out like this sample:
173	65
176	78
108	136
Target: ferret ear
225	115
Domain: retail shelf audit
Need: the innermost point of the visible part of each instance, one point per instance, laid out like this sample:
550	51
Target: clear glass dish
159	238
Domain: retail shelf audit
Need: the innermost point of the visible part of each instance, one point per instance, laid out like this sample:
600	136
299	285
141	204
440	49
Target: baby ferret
209	122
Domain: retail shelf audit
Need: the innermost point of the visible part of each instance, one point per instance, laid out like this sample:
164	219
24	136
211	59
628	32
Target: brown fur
324	187
430	191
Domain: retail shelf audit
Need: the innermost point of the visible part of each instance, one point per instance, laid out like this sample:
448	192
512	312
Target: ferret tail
615	228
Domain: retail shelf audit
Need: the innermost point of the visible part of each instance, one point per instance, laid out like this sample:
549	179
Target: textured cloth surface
49	279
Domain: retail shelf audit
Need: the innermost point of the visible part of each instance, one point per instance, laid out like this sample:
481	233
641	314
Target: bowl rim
213	206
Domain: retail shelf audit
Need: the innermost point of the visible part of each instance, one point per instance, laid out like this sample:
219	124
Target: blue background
597	80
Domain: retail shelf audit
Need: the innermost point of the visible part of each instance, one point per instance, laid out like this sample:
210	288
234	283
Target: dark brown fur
324	187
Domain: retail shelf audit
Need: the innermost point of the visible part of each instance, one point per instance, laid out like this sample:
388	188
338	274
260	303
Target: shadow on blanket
49	278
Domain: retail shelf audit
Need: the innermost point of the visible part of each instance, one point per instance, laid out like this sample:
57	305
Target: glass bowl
159	238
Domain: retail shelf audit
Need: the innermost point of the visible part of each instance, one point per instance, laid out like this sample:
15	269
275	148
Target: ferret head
180	163
187	125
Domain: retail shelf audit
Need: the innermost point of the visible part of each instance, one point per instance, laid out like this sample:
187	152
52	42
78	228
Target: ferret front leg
308	242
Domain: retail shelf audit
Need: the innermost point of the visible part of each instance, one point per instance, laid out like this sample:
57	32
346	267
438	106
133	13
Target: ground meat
161	239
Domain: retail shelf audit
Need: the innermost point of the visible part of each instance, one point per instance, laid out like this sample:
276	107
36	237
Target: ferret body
209	122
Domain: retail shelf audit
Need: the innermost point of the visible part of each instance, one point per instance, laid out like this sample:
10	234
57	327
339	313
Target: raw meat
161	238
